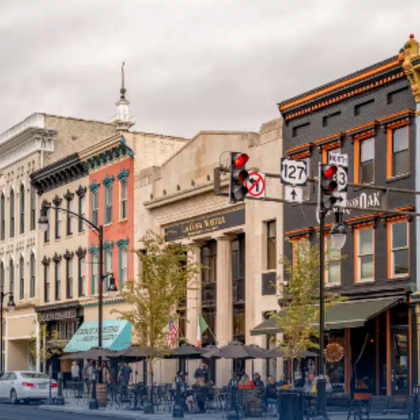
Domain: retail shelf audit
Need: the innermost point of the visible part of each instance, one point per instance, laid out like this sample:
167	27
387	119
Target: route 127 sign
256	185
293	171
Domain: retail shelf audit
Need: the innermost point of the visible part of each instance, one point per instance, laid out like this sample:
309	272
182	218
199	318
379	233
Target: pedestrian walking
75	372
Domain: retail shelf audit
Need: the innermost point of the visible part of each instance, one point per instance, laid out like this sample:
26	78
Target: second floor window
47	232
95	272
82	276
33	209
32	268
58	280
271	245
2	276
400	151
108	203
95	207
69	279
21	278
3	217
123	267
82	212
108	267
399	249
46	282
365	255
57	224
12	213
22	210
333	273
367	161
69	217
123	199
11	277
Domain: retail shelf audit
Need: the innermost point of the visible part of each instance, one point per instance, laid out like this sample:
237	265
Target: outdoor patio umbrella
236	350
131	354
93	354
186	351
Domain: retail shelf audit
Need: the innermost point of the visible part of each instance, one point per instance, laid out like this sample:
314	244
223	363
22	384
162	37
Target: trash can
290	406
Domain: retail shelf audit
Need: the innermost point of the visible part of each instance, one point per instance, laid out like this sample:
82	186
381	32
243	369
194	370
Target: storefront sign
59	315
205	225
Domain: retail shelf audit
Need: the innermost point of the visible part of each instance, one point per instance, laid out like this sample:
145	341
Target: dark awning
351	314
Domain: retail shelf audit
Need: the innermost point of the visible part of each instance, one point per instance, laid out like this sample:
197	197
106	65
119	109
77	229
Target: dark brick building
369	115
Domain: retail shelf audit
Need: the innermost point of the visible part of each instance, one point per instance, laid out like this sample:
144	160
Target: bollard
60	399
93	402
50	400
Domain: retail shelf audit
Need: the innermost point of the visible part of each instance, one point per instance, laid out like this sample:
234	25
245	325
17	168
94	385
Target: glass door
400	368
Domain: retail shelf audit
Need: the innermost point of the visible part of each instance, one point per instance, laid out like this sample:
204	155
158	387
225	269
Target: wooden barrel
101	394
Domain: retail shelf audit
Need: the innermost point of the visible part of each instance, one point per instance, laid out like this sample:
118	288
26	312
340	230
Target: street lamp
43	224
10	308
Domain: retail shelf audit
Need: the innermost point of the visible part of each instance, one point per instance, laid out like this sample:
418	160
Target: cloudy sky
191	65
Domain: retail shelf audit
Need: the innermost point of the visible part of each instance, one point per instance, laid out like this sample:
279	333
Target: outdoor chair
400	406
342	403
250	402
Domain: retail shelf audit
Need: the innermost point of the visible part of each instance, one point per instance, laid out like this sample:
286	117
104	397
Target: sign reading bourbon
205	225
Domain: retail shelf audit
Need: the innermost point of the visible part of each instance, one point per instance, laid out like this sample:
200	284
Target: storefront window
335	368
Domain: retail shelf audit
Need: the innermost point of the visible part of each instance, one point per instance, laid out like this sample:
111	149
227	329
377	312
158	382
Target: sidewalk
124	414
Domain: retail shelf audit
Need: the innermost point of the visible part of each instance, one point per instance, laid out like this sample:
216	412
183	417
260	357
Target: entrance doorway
400	369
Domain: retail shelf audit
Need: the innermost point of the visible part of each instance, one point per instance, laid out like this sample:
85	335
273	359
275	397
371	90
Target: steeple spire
123	120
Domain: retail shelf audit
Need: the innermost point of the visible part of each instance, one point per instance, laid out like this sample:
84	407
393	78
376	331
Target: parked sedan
20	386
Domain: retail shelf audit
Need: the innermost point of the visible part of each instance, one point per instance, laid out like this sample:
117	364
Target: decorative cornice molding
57	258
123	243
327	142
68	255
81	191
300	152
81	252
93	249
108	245
397	119
109	180
123	174
68	195
94	186
46	260
57	200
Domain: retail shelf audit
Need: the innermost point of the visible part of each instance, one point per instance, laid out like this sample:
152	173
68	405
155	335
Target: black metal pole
178	410
60	399
93	402
233	409
100	297
321	400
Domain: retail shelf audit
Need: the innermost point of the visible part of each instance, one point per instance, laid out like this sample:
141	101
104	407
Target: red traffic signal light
330	172
241	160
329	185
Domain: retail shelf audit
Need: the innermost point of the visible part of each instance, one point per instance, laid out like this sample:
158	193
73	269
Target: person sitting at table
259	384
200	394
328	386
246	383
309	383
270	393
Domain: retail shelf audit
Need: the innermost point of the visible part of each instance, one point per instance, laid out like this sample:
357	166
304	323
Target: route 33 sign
293	171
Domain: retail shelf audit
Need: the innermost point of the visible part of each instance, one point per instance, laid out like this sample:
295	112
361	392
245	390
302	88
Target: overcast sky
191	65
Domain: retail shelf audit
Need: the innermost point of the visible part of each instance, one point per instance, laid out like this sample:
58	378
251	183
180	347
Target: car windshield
34	375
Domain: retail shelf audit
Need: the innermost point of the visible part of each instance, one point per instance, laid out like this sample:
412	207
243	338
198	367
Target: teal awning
116	335
349	314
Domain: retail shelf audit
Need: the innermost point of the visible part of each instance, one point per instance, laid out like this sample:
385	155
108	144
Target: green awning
351	314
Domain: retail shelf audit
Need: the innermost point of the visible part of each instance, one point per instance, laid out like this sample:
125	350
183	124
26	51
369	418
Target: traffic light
238	177
329	186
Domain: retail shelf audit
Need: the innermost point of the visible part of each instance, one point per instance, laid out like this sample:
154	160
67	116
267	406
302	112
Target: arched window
22	209
12	213
32	273
21	278
11	276
3	217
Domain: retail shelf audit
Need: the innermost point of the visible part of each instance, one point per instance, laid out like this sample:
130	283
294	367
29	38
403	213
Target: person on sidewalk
201	372
75	372
125	374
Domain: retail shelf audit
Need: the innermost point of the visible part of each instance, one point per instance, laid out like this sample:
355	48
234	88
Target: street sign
293	171
293	194
338	159
341	199
256	185
342	178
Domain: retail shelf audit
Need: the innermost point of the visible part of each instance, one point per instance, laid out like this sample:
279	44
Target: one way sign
293	194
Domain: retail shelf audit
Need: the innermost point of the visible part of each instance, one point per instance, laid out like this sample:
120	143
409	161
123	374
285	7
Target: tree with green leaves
166	274
299	293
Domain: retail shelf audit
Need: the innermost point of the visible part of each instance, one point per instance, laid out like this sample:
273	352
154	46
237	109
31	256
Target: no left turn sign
256	185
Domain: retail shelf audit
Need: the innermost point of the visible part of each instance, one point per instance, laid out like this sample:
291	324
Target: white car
23	386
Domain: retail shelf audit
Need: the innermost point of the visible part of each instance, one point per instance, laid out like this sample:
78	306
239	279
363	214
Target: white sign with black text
293	171
338	159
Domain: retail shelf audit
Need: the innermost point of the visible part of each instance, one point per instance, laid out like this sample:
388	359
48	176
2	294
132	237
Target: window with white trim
365	255
399	249
22	209
108	200
123	199
12	212
82	276
333	266
95	272
95	207
124	266
400	151
32	268
367	160
58	280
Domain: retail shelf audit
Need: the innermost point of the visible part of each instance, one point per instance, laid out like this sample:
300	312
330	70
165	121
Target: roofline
363	74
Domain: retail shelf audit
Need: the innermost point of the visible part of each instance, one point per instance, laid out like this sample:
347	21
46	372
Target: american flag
172	334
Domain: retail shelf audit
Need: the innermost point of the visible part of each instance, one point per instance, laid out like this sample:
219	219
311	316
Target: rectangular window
12	213
366	161
69	217
300	129
47	232
46	283
82	276
362	107
271	245
95	207
82	212
399	249
333	271
365	255
57	224
33	209
58	280
108	201
95	272
398	163
123	201
22	210
124	267
69	278
11	277
108	267
21	279
3	216
327	120
32	269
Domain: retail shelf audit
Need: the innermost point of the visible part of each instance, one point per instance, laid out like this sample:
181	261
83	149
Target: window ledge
333	286
363	282
399	278
108	224
122	220
398	178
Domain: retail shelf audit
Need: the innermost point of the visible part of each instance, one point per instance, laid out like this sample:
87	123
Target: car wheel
13	397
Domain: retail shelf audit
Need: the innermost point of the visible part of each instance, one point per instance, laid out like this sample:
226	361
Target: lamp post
178	411
338	239
10	308
44	225
233	409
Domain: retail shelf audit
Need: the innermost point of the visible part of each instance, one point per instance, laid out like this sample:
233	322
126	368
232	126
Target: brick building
369	115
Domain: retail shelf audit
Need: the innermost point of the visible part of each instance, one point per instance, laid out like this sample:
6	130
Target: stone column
224	316
193	309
